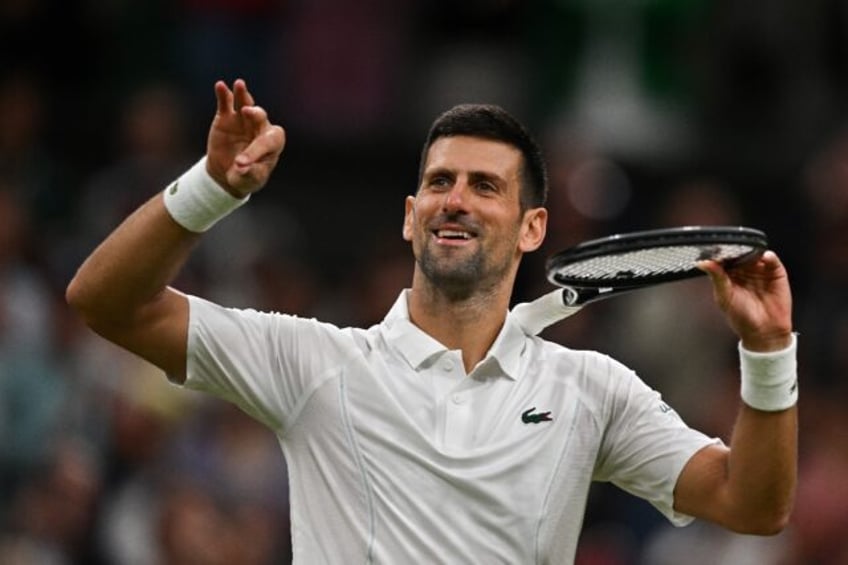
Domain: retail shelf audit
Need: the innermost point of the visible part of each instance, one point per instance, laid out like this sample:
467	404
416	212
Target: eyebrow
428	173
473	176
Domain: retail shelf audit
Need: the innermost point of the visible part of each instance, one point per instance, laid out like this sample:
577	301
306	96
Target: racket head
643	258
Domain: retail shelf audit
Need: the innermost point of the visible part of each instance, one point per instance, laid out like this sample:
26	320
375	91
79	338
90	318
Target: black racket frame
584	290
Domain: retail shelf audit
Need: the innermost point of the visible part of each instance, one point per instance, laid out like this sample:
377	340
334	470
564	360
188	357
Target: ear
533	228
408	218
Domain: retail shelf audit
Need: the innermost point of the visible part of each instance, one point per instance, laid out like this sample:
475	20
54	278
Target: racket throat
578	296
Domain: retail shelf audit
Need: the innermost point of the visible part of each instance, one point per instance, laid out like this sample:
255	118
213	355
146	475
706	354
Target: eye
486	186
439	182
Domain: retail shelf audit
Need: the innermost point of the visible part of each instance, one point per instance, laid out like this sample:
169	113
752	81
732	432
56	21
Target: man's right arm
121	290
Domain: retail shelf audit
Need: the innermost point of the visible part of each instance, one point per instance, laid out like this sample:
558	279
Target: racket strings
650	263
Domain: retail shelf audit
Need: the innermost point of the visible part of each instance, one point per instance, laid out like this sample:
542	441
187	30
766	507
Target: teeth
453	234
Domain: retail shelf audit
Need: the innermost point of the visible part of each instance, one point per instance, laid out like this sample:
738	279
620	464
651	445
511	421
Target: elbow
776	522
770	527
774	516
83	300
765	522
73	293
77	297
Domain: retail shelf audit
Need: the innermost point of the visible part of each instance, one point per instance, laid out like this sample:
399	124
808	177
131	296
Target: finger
758	273
224	97
256	118
771	261
265	147
710	267
719	278
242	95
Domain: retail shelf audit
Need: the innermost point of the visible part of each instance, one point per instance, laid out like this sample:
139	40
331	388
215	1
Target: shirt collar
417	347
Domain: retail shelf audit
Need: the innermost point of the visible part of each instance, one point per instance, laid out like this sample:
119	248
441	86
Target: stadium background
652	113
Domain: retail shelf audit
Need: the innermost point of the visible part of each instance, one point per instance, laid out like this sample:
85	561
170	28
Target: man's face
465	223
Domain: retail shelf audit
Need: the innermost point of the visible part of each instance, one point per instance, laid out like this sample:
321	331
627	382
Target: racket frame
580	290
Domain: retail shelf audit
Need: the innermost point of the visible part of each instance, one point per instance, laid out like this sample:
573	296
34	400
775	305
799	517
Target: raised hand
243	145
756	299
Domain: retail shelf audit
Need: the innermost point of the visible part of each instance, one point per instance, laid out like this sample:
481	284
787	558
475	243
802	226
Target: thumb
264	149
719	279
252	167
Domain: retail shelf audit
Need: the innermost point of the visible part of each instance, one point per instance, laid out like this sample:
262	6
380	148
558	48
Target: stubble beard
458	278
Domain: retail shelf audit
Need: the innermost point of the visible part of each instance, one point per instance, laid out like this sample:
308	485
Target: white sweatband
770	380
196	201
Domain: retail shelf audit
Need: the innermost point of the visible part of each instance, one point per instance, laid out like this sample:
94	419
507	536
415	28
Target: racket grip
535	316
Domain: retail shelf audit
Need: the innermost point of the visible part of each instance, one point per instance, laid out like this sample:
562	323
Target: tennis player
446	433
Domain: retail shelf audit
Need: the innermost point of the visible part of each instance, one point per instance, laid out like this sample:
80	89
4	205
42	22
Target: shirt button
458	398
447	365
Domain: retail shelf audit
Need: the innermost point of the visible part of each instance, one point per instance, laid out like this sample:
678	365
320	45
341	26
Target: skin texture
468	233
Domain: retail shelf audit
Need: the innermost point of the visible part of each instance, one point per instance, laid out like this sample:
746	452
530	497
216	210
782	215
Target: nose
456	198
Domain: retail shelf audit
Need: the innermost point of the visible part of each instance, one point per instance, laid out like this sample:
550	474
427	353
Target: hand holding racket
757	301
613	265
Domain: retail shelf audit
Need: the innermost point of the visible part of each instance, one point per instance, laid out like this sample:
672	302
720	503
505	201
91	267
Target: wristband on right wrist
196	201
770	379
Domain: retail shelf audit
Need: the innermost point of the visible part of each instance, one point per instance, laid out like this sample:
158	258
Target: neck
469	324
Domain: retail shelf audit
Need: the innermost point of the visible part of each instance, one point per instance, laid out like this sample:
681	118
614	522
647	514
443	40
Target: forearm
121	290
750	487
762	469
764	446
132	267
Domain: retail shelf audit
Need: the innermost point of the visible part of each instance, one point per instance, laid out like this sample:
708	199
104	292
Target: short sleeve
266	363
647	444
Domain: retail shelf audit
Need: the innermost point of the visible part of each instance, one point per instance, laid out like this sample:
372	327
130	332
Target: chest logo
528	417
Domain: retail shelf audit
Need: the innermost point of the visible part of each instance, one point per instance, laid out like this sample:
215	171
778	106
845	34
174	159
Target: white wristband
770	380
196	201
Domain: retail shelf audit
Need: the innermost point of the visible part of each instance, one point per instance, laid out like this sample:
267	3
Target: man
446	433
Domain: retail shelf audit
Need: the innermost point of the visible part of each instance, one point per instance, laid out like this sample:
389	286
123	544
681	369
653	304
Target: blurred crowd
652	114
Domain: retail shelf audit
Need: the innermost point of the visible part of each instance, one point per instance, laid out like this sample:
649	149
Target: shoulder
214	321
557	359
598	379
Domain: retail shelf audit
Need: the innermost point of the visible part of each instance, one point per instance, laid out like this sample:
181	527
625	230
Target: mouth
453	235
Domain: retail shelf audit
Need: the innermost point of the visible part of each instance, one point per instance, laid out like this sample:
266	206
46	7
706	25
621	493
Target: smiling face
466	225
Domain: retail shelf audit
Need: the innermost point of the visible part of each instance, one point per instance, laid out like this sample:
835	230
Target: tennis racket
617	264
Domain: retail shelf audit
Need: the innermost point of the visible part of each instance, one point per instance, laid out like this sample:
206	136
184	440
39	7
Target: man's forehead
473	154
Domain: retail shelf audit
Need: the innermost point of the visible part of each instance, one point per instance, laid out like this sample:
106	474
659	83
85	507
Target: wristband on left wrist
196	201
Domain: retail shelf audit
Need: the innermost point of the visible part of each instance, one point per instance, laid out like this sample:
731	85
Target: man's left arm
749	487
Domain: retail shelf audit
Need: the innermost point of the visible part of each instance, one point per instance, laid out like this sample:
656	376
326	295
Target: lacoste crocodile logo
529	418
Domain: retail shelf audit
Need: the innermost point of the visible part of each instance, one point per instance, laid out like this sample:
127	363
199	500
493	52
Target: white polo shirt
395	455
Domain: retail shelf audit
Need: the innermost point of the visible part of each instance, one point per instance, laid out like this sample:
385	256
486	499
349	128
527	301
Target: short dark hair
492	122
